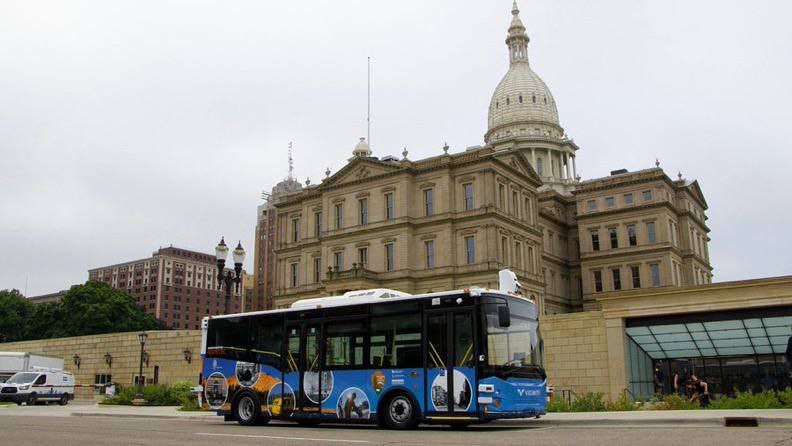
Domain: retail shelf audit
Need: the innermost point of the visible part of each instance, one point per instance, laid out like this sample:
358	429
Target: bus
379	356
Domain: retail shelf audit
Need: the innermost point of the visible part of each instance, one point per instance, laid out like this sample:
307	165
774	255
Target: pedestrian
659	379
700	391
789	355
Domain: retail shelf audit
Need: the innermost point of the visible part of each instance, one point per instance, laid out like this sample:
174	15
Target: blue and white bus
379	356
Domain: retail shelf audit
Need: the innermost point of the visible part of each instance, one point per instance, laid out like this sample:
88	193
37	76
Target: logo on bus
527	392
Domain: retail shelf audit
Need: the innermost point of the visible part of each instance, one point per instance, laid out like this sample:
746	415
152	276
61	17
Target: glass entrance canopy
728	333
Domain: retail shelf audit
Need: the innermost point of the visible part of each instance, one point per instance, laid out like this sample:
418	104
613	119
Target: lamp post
229	278
139	401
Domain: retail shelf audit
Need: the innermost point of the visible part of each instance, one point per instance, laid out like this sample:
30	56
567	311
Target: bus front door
303	372
450	364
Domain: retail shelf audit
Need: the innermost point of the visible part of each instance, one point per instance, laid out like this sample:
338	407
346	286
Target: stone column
533	157
617	356
574	168
550	163
568	166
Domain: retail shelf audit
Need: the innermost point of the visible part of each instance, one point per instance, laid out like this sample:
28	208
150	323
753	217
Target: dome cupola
521	104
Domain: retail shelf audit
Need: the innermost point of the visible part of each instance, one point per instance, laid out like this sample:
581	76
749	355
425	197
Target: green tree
15	315
96	308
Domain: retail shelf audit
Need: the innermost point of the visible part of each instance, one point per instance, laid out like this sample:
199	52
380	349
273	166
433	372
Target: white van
41	385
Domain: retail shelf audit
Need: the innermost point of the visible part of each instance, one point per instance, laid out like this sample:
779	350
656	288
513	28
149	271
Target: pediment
360	169
517	160
695	189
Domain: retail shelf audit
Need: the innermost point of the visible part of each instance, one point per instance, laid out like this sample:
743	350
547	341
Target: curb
134	415
609	422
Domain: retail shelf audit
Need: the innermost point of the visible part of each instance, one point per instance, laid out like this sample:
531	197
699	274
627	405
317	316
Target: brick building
176	286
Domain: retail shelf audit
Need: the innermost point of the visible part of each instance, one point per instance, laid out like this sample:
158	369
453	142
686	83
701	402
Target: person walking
700	391
659	379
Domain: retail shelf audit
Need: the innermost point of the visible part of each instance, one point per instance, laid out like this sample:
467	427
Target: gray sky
125	126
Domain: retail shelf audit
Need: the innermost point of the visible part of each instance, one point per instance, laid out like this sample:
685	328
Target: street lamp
229	278
138	401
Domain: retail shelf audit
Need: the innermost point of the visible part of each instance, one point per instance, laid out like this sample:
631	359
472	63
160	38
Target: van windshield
22	378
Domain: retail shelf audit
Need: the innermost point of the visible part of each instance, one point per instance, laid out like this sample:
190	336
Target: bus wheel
64	399
247	410
400	412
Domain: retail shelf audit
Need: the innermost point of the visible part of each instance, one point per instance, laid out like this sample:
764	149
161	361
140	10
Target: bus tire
399	412
64	399
247	409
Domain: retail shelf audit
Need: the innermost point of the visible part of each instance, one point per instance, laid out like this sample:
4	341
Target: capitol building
455	219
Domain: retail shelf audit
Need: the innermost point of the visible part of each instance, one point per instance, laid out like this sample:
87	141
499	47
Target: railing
358	271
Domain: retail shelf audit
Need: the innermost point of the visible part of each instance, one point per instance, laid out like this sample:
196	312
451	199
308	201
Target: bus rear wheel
400	412
247	410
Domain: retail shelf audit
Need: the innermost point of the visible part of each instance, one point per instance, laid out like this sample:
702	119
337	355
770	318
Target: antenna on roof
291	162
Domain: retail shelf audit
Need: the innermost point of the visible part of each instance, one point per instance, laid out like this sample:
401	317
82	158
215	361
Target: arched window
497	104
507	100
539	166
520	99
545	100
533	98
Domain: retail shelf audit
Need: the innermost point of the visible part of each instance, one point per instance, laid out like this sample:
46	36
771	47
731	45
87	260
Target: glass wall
734	350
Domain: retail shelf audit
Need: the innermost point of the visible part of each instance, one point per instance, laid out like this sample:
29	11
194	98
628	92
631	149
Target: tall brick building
176	286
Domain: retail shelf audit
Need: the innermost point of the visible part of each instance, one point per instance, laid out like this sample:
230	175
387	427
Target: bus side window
268	340
395	341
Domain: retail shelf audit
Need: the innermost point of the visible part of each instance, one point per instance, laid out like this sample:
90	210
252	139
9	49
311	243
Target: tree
15	314
96	308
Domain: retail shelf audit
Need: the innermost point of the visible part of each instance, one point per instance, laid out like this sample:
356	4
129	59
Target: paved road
86	431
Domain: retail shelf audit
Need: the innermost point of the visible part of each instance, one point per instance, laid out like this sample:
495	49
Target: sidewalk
712	418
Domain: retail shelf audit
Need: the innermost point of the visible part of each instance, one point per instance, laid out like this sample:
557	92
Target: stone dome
362	148
521	98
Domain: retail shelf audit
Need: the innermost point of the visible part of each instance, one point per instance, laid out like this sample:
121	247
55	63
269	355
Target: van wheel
400	412
32	400
64	400
247	410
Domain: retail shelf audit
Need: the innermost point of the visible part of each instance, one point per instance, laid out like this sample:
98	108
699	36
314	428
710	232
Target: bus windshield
511	349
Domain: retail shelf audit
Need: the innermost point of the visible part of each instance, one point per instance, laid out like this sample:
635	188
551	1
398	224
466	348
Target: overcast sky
126	126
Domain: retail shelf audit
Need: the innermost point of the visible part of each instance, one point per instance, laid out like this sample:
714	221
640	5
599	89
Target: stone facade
166	357
576	352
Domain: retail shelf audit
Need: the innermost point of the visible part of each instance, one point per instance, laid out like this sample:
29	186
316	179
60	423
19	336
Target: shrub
622	404
785	397
558	404
675	402
748	400
589	402
177	394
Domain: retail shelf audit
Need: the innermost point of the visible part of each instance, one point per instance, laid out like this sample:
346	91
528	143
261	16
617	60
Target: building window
616	274
592	205
389	257
430	260
502	196
467	189
339	216
595	240
610	202
338	260
100	381
655	270
388	207
528	210
635	272
318	224
363	210
295	274
650	232
631	235
296	230
598	281
470	250
614	238
530	259
317	266
647	195
428	202
518	255
504	250
363	257
516	204
539	166
628	198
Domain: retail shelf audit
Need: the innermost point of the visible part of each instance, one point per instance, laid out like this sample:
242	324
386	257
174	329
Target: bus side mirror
504	318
